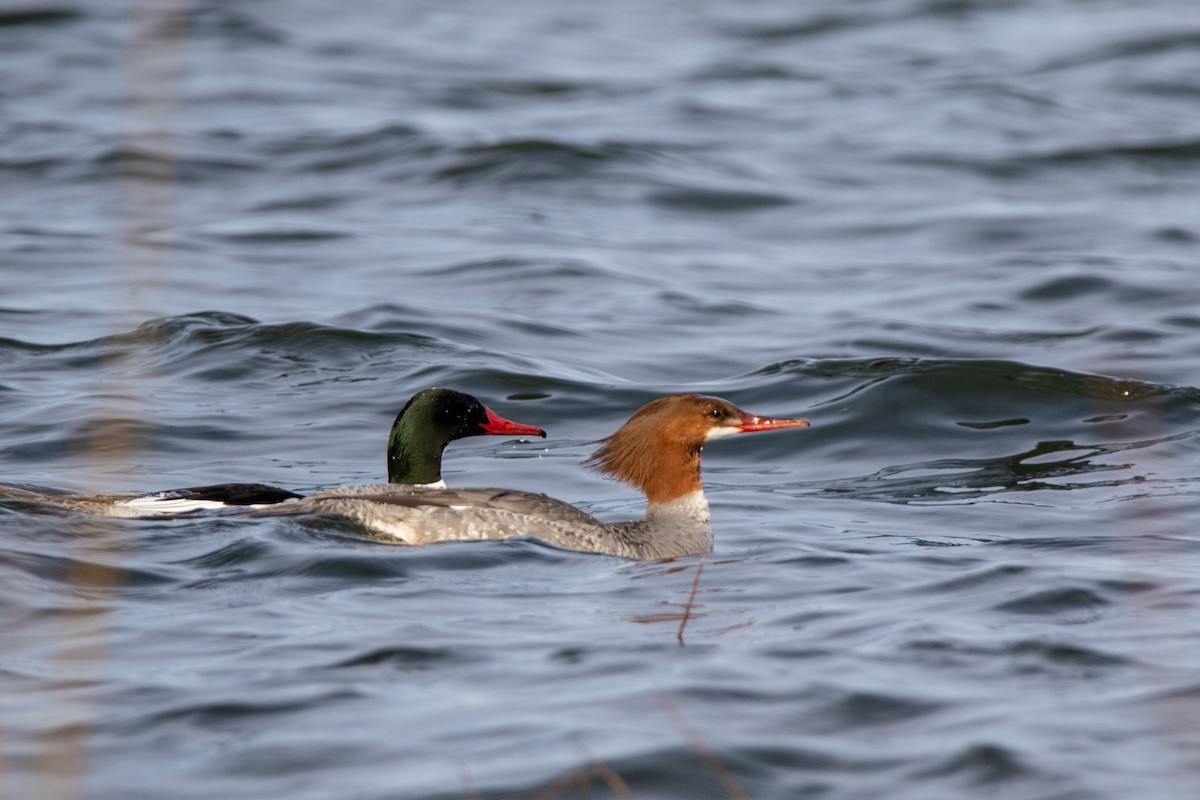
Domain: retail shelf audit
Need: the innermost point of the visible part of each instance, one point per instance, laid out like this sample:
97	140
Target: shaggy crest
658	449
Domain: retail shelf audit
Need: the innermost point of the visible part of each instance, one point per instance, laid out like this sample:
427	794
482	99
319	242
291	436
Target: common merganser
430	420
656	451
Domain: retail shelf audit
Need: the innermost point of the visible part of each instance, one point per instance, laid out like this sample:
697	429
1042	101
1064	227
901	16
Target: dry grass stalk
691	601
707	756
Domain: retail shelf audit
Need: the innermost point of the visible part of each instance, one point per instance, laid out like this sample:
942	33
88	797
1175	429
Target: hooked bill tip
497	425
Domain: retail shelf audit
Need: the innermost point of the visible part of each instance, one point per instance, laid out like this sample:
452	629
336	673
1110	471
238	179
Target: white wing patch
164	503
158	504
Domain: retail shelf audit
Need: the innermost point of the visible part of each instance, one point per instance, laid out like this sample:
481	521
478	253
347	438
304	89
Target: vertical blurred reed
1150	522
144	208
579	781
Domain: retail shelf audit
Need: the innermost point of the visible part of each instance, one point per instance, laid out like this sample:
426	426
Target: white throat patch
721	432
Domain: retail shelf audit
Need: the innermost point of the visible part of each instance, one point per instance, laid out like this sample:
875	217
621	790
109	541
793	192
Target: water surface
960	237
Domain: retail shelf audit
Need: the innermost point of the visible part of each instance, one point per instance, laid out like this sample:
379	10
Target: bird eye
715	413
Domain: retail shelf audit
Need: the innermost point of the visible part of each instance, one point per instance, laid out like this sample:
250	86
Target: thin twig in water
579	779
469	788
691	601
616	783
711	762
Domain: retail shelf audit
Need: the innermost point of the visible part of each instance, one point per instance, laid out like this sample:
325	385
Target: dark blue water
961	237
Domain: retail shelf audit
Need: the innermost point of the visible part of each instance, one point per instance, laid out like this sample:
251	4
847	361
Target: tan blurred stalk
146	200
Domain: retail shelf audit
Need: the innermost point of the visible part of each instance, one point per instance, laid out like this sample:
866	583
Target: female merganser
657	451
430	420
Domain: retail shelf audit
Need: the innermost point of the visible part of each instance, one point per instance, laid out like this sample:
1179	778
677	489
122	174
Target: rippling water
961	237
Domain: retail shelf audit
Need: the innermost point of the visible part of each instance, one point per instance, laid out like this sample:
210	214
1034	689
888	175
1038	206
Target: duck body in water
657	451
430	420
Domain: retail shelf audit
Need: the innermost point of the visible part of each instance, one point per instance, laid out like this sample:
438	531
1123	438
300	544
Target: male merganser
657	451
430	420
